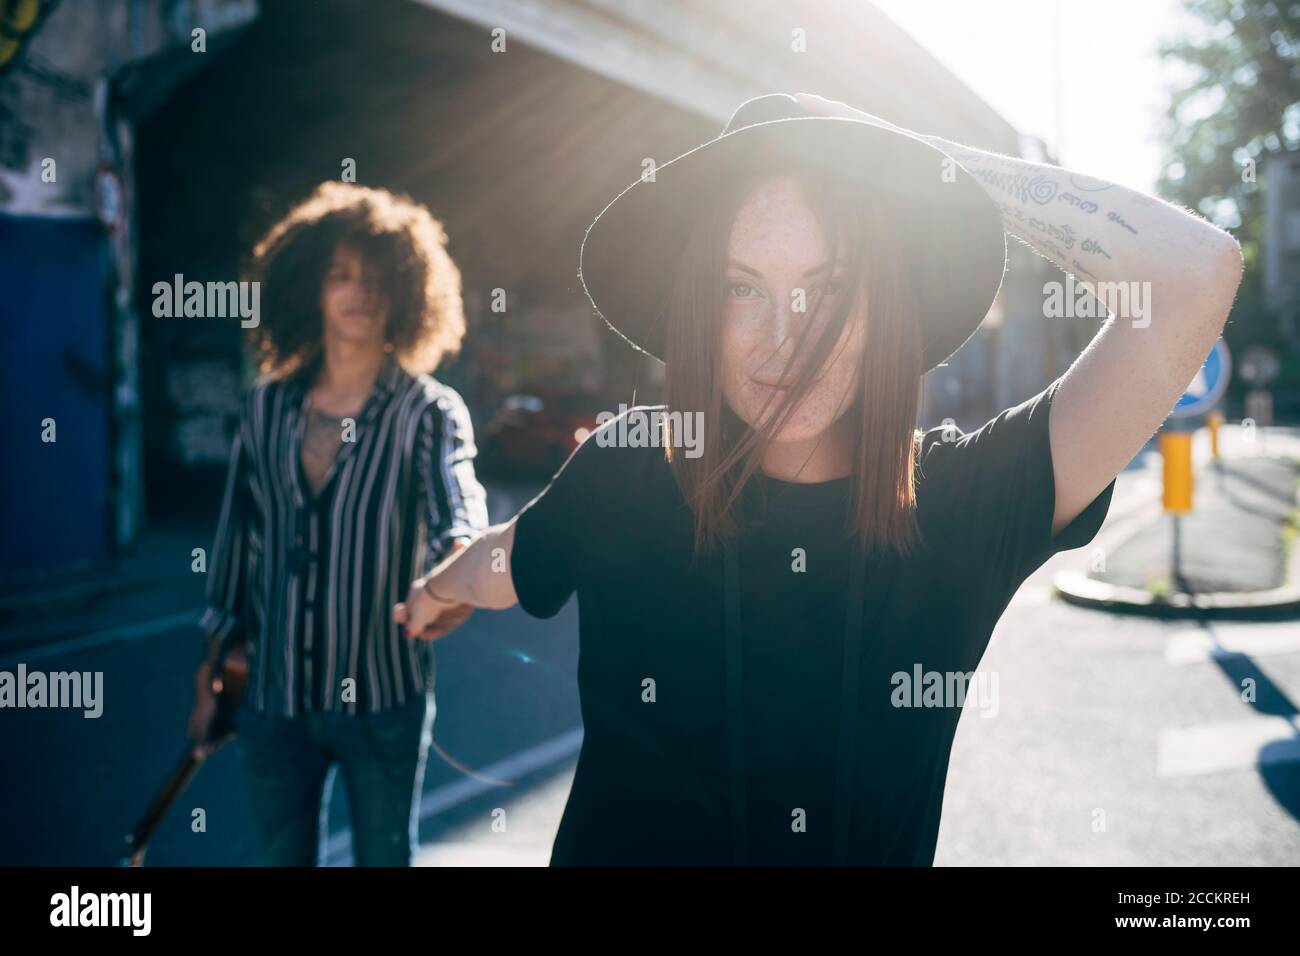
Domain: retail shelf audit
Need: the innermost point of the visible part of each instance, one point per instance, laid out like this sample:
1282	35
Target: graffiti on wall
18	22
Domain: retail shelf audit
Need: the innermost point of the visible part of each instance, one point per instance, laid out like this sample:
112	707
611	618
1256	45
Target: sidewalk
1237	552
155	579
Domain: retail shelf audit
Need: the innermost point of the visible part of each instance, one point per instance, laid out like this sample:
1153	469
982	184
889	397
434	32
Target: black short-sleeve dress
699	750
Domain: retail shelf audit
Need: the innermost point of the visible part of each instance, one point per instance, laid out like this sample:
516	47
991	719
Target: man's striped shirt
308	584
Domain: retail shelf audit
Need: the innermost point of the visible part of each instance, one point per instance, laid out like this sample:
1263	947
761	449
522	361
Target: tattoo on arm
1119	221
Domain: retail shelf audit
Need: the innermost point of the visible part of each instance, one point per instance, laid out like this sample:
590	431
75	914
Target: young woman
352	471
759	622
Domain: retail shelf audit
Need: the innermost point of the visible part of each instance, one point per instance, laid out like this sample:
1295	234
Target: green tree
1242	100
1239	101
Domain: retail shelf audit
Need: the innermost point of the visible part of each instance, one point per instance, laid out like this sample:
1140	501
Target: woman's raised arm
1167	277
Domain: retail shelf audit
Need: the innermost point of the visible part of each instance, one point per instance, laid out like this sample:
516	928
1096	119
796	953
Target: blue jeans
290	766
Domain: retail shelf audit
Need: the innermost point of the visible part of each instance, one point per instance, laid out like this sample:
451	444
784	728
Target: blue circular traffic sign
1208	386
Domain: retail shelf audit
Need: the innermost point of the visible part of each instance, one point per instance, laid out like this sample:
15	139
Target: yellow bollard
1213	421
1176	456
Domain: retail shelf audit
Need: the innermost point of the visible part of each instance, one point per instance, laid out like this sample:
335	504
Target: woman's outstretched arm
1167	277
477	575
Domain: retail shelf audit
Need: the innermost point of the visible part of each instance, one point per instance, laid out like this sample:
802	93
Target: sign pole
1178	553
1200	397
1176	460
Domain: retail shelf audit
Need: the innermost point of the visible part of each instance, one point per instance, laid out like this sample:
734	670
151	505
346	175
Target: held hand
448	621
426	616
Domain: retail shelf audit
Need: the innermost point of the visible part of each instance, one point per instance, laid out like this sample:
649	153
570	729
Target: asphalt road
1116	740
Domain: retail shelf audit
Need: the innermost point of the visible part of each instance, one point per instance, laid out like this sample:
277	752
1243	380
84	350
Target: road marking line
126	632
481	854
1196	646
338	848
434	802
1236	745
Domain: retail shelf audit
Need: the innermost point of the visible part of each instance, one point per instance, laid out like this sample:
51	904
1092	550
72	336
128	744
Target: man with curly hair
351	475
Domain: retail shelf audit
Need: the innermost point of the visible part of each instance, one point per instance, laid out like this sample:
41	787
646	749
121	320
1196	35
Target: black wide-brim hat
953	243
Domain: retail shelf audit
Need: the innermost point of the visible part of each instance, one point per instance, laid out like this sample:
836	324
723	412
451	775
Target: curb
1075	587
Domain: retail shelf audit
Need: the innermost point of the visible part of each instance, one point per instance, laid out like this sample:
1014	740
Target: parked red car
535	432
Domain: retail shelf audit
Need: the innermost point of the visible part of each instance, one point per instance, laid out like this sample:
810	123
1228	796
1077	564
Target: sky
1112	82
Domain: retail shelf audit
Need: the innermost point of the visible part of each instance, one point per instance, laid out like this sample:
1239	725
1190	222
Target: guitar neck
180	778
228	688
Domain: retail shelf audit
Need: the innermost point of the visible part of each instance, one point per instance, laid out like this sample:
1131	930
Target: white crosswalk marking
1238	745
1196	646
1246	744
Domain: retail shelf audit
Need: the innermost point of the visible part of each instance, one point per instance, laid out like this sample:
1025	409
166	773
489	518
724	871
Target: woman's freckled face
777	253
